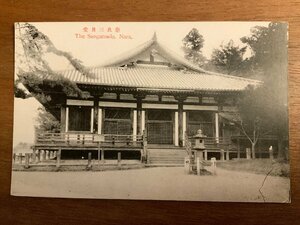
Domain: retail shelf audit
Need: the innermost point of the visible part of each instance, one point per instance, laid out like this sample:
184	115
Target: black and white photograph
183	111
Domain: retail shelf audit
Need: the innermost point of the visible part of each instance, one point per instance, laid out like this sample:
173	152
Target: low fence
49	146
49	160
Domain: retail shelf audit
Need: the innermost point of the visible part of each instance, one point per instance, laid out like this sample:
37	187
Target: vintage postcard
193	111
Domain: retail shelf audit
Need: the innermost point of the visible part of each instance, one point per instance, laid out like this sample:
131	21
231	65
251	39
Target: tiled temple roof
149	77
176	74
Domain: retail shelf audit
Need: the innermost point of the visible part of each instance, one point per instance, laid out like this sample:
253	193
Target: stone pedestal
187	163
248	153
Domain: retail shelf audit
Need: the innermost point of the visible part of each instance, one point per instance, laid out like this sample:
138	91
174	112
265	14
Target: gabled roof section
175	73
146	48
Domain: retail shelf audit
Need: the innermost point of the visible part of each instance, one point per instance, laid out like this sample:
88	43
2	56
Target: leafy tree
33	70
253	117
228	58
269	55
46	121
192	45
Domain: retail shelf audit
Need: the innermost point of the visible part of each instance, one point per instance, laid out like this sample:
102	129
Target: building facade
149	90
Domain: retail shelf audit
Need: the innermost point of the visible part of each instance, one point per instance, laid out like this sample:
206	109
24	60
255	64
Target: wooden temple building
146	100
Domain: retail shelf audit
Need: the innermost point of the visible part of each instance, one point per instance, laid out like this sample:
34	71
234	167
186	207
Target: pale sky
94	52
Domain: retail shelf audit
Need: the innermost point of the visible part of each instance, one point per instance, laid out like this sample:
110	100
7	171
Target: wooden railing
87	140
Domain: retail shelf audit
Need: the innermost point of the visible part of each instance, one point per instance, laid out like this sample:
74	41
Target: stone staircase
166	157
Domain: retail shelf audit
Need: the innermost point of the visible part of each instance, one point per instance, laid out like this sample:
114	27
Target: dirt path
152	183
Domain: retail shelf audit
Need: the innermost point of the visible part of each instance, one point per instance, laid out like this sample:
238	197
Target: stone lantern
199	144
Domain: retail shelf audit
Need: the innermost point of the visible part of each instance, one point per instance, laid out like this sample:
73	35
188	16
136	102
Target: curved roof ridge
128	55
179	59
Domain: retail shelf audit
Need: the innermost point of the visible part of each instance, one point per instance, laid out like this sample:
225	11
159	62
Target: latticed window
160	127
200	120
80	118
118	121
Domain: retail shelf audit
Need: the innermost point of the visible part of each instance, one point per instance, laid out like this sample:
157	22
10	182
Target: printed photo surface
185	111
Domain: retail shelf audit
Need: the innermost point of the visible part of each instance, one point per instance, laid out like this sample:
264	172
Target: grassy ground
258	166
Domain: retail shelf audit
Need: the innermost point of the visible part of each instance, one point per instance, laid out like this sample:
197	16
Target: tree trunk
253	150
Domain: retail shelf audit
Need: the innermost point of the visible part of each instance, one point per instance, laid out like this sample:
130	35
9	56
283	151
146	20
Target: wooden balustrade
88	140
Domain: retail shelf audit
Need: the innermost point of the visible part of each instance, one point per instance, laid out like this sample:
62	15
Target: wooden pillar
134	125
99	127
119	160
238	149
180	123
143	121
145	147
220	101
183	127
102	156
176	129
44	155
95	114
139	125
92	121
140	114
99	152
217	126
67	119
58	155
89	166
63	118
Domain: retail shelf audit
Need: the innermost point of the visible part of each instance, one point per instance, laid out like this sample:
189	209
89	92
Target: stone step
167	161
171	154
166	150
167	153
164	165
166	156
